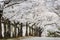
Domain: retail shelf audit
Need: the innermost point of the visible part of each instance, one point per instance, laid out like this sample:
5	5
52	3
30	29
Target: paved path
34	38
41	38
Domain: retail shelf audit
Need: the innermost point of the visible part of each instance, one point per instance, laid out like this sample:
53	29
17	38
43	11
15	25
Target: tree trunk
4	29
18	31
40	32
26	29
29	31
9	30
0	28
0	24
21	30
32	30
15	29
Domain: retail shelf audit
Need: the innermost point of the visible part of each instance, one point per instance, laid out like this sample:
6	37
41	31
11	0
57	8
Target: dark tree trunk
40	32
35	32
4	29
26	29
0	24
18	32
32	30
9	30
15	29
21	30
29	31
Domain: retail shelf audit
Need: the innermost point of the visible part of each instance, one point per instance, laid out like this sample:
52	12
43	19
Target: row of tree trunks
8	33
7	30
37	32
33	31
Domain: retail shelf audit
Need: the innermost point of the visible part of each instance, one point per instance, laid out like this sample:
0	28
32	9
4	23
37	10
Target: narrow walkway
35	38
42	38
